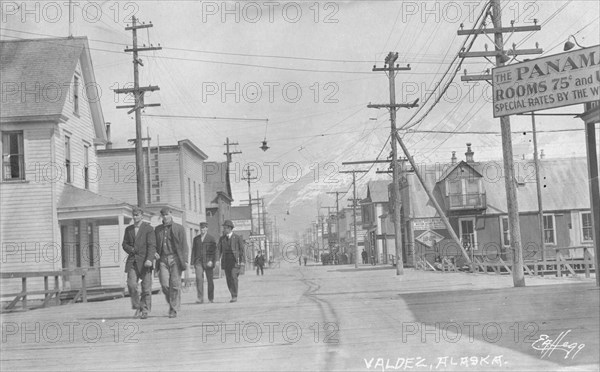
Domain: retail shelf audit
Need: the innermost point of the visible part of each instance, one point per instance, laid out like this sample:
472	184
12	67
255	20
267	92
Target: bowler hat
165	210
228	223
203	224
136	210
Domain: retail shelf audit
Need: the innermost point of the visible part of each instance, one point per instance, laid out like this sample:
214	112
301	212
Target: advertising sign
434	223
429	238
242	225
555	81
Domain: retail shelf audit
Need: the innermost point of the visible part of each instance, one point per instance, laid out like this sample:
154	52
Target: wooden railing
563	263
48	293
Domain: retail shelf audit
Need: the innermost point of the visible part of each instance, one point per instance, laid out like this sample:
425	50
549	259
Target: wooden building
52	122
175	178
473	197
379	235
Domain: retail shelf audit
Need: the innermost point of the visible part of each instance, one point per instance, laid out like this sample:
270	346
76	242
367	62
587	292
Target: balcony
459	202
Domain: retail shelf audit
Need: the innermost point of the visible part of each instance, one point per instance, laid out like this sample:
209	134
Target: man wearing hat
140	244
172	248
204	252
231	254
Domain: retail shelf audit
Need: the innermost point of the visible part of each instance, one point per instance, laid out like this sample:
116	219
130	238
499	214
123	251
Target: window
68	158
586	226
505	236
195	198
13	164
549	229
189	194
76	95
86	166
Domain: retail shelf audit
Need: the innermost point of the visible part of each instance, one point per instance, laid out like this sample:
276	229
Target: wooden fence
50	294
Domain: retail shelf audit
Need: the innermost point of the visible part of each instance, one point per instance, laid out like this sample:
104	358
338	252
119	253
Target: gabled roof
216	183
45	66
377	191
565	187
461	164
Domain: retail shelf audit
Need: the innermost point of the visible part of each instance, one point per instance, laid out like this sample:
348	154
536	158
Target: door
467	233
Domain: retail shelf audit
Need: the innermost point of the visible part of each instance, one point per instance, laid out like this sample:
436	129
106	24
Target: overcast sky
306	67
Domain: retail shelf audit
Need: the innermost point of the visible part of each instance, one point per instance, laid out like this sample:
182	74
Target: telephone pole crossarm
138	96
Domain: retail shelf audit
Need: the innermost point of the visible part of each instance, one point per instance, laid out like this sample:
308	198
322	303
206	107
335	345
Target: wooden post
24	290
57	290
46	294
509	170
83	287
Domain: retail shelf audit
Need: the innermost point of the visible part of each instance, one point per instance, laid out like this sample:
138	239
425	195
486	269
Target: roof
45	66
217	184
462	165
564	187
377	191
74	197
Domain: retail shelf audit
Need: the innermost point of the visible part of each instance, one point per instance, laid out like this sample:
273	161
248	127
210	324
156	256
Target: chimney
453	158
108	141
469	154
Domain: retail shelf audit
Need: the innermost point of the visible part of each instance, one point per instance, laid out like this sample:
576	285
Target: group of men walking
165	249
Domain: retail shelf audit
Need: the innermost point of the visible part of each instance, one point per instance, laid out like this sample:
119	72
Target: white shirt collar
229	235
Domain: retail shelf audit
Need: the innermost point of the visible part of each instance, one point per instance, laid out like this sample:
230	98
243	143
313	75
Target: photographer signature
547	346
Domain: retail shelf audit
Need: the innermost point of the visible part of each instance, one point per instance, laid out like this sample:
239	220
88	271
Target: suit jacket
204	251
140	247
237	246
178	242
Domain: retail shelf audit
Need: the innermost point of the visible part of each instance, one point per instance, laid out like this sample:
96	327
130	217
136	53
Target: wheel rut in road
328	316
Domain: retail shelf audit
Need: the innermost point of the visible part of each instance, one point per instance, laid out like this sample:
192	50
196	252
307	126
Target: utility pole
337	216
229	153
354	202
536	160
249	179
507	151
390	69
138	95
147	165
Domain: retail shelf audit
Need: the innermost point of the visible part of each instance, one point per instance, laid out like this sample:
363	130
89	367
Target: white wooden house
51	121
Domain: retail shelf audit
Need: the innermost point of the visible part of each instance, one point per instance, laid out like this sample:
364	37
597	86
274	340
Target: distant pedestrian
305	259
259	262
204	253
231	253
300	260
372	258
364	256
173	251
140	244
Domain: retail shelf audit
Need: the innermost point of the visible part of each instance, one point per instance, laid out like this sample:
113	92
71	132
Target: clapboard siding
169	174
117	178
81	131
26	225
192	170
118	175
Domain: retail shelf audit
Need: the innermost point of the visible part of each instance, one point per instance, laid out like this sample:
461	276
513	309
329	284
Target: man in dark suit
204	255
140	244
259	262
231	254
172	250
